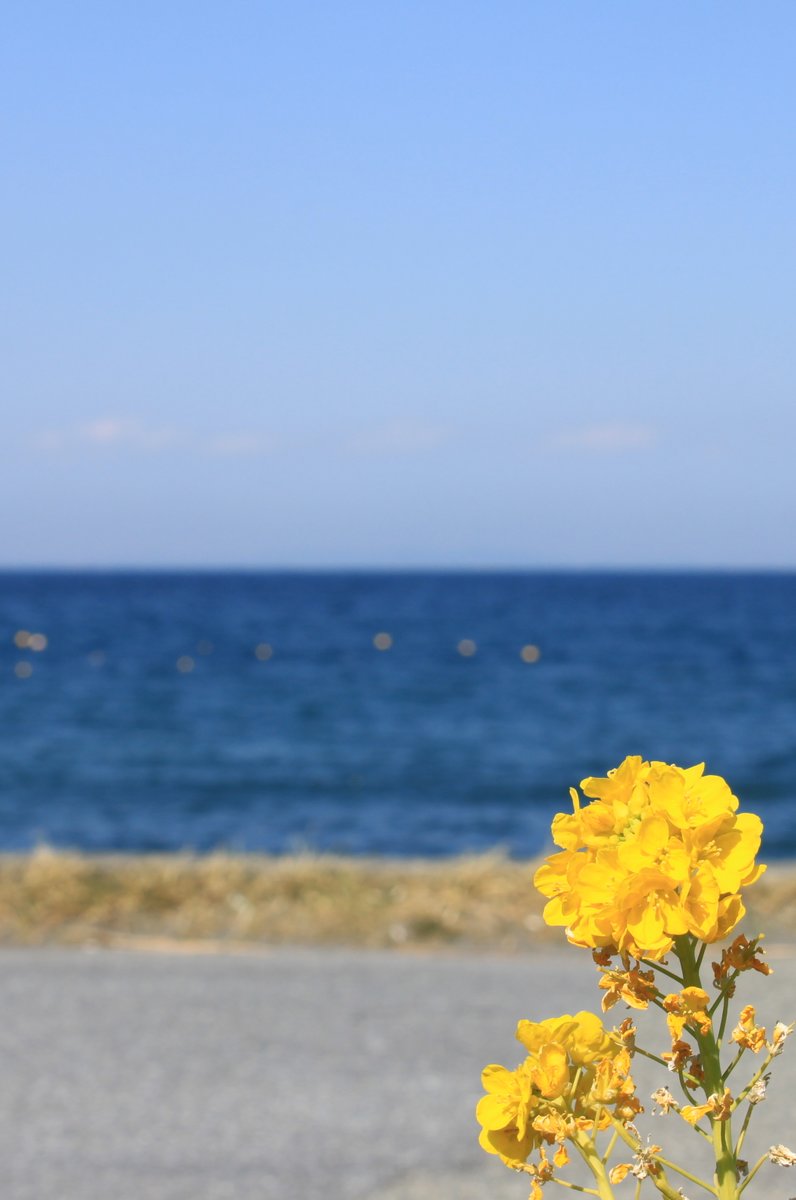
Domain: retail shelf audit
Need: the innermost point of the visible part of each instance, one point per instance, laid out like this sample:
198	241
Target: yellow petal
694	1112
694	999
553	912
565	831
653	834
552	1073
495	1078
532	1034
496	1112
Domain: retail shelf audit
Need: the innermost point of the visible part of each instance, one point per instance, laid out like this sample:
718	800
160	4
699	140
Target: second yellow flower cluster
575	1078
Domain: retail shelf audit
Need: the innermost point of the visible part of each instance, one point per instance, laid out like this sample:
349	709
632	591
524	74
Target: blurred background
390	713
397	418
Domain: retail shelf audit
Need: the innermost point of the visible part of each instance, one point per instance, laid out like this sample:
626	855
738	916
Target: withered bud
664	1101
782	1156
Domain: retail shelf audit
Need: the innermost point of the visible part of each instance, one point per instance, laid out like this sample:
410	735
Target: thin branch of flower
752	1173
656	966
747	1118
610	1147
575	1187
733	1064
686	1174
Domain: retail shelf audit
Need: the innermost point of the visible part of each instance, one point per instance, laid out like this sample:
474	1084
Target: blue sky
411	284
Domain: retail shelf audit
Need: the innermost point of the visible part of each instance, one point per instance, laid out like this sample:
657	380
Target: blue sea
253	711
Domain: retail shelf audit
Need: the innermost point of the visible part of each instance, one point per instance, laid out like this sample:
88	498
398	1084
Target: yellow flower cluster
575	1077
662	851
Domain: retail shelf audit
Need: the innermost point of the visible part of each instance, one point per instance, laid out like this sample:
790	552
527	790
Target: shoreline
223	902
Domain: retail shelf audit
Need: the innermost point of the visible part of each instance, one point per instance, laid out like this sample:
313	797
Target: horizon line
394	569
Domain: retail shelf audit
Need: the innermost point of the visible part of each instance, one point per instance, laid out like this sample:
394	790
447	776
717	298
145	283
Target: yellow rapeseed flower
575	1077
504	1111
661	851
688	1007
635	987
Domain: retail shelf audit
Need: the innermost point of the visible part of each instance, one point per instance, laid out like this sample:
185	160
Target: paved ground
297	1075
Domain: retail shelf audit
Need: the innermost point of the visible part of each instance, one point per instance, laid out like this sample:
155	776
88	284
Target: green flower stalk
649	876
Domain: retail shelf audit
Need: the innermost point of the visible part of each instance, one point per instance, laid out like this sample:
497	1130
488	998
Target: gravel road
290	1074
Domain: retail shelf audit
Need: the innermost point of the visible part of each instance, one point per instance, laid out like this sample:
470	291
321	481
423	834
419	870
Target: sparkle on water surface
136	712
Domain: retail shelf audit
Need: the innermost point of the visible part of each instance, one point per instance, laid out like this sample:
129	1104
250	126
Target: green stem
759	1073
726	1167
626	1137
689	1095
575	1187
654	1057
752	1173
725	1010
610	1146
686	1174
747	1118
724	993
733	1064
663	1185
702	1133
656	966
660	1181
588	1152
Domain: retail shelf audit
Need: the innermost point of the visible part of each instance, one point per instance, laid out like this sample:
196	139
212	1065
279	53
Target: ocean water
149	723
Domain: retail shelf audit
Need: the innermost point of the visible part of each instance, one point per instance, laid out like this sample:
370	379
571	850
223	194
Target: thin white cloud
114	433
107	430
605	439
121	431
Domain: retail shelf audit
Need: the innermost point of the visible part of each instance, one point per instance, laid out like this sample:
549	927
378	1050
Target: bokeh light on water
264	712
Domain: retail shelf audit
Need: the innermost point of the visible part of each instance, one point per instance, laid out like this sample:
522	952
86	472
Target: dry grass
305	899
480	902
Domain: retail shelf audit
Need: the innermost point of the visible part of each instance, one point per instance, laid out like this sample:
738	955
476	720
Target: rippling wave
405	714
